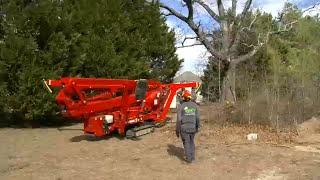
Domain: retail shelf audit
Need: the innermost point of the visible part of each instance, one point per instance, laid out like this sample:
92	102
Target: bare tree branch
174	12
234	8
246	56
231	26
202	38
252	52
312	7
246	9
195	27
247	45
187	38
190	8
166	14
286	28
220	8
236	40
190	45
209	10
251	24
199	24
179	15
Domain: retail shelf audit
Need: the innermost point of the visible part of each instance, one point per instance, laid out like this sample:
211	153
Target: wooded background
279	84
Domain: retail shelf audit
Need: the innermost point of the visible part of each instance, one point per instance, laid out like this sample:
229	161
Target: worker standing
187	125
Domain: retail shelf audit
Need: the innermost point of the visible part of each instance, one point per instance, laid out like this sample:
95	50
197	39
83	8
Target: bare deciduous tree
231	25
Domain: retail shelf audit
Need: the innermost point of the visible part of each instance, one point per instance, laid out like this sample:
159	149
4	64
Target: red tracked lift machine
131	107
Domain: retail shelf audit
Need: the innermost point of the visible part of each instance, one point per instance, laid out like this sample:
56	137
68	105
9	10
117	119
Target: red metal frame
113	97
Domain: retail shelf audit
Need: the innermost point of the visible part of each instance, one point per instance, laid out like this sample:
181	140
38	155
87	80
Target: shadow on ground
18	121
88	137
176	151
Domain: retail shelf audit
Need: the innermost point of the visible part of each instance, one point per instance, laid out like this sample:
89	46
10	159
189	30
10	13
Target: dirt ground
222	153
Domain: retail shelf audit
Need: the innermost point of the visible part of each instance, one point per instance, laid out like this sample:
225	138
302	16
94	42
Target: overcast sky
194	56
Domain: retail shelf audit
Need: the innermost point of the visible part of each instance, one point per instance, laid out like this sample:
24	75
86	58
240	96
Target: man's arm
197	119
178	123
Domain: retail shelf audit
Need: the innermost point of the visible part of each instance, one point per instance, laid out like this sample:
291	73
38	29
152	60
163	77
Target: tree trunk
229	89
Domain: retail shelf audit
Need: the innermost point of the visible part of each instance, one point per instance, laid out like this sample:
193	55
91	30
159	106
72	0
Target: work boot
186	162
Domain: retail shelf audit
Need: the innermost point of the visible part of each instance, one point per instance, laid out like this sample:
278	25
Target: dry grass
216	122
237	134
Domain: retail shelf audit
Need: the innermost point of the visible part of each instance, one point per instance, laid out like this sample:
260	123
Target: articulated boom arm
106	105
